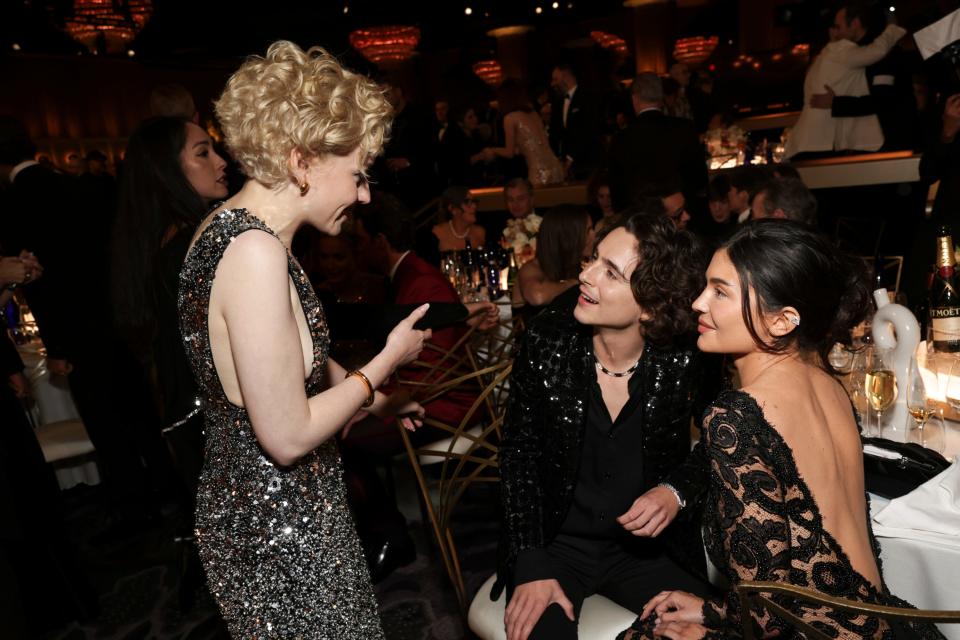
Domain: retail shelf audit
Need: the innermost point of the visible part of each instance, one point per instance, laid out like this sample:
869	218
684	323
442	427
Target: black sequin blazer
544	431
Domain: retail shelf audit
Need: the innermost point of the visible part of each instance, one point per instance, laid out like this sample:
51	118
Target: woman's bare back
811	412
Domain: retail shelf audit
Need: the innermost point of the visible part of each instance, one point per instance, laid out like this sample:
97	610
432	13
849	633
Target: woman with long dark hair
786	500
171	176
523	133
564	240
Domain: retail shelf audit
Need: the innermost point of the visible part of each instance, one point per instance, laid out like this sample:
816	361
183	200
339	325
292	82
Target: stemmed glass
855	387
880	386
917	402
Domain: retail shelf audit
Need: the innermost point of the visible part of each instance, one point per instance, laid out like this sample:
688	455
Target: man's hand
59	366
482	315
12	270
21	388
651	513
674	606
528	603
951	117
398	404
32	265
680	631
822	100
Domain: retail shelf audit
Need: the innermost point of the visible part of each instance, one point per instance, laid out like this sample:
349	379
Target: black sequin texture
278	544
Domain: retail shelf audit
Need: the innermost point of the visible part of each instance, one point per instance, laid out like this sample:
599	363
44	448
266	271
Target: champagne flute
880	387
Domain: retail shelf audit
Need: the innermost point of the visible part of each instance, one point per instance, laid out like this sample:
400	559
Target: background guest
564	239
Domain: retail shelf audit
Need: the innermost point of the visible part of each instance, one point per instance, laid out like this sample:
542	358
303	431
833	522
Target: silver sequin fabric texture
278	544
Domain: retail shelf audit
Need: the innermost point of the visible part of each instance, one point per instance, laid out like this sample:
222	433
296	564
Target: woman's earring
795	320
304	187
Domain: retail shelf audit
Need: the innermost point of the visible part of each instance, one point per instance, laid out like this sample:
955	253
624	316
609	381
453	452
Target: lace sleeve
750	526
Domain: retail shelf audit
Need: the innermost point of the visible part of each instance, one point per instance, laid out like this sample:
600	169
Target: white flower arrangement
520	236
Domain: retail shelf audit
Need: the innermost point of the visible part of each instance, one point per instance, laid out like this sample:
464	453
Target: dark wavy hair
560	241
155	196
669	274
789	264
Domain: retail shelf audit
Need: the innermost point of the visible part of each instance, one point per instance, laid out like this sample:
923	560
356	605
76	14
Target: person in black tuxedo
407	166
574	124
655	148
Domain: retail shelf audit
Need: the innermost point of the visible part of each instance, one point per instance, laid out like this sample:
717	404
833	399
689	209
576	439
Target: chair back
754	595
461	455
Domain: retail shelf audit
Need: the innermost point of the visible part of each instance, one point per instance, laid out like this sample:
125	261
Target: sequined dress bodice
278	544
543	167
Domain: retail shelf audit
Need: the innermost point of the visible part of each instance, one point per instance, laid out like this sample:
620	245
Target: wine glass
934	433
917	403
880	386
951	385
855	387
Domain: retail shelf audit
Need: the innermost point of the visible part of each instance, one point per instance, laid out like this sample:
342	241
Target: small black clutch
892	478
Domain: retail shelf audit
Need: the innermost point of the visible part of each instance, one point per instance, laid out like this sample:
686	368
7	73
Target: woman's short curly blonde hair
291	99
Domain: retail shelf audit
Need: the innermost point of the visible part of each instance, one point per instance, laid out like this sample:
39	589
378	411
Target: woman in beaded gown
523	133
786	499
274	530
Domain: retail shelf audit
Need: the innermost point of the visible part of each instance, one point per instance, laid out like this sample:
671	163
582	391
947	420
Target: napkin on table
931	512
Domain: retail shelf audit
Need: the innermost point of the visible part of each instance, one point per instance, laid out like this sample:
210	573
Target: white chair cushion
63	440
600	618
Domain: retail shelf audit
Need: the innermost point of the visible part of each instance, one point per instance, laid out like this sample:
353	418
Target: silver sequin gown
543	168
279	544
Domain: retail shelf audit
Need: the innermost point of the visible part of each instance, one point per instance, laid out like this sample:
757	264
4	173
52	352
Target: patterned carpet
136	578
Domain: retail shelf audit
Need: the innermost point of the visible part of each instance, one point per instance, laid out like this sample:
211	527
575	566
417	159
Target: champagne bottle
944	297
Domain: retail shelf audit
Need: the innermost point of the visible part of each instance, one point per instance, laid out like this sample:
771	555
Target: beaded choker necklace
615	374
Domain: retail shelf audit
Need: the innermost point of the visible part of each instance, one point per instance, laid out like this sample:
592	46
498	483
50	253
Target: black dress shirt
611	468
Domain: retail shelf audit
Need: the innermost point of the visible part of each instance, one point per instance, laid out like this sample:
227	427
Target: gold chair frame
459	468
752	593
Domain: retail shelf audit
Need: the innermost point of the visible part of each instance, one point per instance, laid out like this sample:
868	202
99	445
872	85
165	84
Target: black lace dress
761	523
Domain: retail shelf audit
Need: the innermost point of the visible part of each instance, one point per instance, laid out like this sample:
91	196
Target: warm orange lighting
389	44
696	50
611	42
802	50
116	21
777	57
489	71
512	30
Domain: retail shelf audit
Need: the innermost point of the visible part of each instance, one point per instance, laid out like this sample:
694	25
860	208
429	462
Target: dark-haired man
786	199
594	462
890	81
574	123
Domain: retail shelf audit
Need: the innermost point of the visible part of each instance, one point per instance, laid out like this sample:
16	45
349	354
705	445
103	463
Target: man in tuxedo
574	124
407	166
655	148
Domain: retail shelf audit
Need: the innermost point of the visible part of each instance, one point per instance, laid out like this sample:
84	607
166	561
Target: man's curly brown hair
670	272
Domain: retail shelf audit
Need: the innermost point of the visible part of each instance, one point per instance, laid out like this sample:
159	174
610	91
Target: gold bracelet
366	381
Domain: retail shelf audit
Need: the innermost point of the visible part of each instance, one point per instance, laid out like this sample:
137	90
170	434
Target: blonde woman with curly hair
274	529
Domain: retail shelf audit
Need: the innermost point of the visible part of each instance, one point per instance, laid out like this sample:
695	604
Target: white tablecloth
54	406
925	574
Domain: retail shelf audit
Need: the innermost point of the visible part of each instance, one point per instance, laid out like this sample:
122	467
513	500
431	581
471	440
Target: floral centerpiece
520	235
723	145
